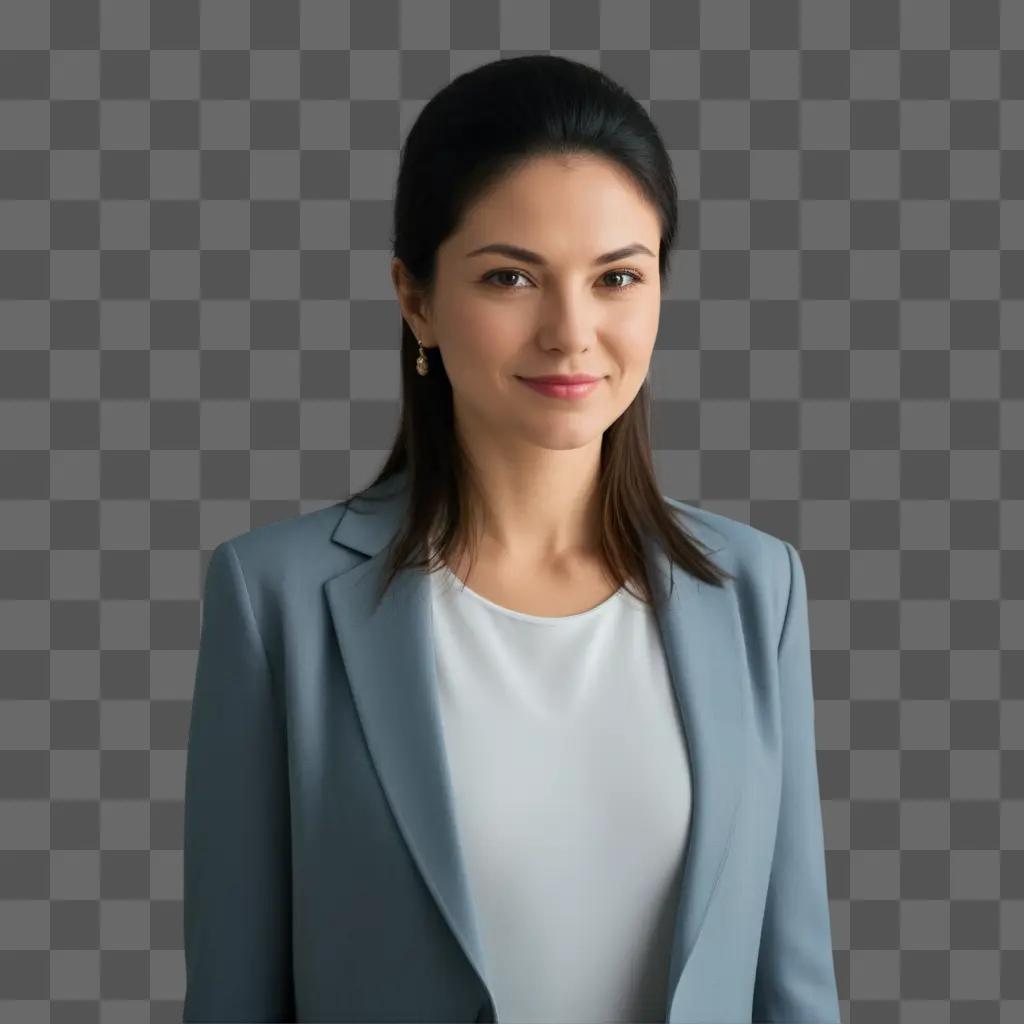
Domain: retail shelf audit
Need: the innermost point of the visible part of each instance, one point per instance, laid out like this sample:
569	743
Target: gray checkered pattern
199	335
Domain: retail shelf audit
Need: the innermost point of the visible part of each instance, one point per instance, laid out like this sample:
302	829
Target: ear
413	305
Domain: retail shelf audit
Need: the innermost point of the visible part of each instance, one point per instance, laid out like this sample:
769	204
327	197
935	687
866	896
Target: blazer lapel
706	653
389	660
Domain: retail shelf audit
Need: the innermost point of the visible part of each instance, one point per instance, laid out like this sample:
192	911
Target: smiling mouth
579	378
557	390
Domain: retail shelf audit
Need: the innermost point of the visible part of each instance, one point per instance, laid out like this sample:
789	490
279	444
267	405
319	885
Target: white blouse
572	799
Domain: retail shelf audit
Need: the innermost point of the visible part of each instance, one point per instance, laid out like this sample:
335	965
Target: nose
569	323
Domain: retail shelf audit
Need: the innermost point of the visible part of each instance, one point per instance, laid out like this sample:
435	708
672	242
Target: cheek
482	341
632	342
645	320
639	339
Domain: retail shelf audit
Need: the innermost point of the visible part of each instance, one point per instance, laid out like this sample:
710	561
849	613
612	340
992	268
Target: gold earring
421	361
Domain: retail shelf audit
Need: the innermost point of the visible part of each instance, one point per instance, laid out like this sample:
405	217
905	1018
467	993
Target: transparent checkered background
199	335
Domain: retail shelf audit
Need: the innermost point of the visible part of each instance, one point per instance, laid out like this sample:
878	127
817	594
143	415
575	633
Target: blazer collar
388	655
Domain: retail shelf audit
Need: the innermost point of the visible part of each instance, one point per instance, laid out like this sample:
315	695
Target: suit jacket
323	876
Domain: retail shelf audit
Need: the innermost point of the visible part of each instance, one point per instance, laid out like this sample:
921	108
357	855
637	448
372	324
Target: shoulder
762	563
287	552
722	531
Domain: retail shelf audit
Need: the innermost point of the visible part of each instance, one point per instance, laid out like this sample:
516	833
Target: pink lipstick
577	386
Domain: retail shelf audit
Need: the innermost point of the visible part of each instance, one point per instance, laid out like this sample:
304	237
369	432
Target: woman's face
497	317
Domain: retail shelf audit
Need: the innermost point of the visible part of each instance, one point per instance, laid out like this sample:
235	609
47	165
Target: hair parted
483	125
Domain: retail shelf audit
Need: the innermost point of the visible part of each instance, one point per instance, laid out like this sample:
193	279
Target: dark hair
484	124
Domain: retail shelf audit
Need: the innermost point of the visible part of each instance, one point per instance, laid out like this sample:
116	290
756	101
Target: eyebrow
528	256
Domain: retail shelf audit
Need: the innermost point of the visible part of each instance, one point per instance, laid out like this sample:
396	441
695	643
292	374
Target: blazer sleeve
795	979
236	852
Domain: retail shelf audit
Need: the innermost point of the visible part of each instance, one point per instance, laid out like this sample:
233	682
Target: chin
567	436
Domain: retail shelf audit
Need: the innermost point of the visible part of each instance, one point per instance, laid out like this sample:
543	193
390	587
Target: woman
444	763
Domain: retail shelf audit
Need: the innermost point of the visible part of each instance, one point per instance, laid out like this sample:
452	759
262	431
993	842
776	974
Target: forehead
560	203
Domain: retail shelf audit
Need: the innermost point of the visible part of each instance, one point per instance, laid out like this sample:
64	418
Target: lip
563	378
559	388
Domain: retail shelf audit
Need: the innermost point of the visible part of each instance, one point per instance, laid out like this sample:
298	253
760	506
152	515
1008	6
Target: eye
636	275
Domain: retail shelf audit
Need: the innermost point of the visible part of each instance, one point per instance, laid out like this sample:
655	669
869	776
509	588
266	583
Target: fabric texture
341	859
572	799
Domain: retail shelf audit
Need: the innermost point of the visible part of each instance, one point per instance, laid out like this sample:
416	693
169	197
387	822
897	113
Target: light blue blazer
323	876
